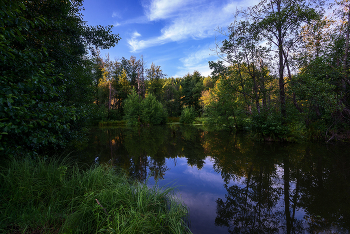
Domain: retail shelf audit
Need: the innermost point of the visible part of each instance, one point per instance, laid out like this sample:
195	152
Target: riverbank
47	196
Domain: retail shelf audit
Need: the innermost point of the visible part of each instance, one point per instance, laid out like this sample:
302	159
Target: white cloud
197	61
163	9
133	42
201	54
116	14
137	20
136	34
197	20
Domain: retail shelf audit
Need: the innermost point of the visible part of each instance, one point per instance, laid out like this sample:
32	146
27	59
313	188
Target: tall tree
154	84
279	22
244	53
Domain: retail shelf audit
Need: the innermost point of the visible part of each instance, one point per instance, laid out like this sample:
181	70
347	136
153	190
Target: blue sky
178	35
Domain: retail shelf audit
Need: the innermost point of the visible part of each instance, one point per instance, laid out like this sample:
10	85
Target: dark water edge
231	183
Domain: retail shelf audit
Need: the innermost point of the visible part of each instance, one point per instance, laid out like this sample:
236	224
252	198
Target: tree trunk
281	67
109	98
290	80
346	50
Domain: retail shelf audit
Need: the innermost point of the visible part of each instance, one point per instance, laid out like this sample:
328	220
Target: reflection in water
232	184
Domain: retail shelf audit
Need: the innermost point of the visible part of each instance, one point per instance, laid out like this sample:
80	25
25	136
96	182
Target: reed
48	196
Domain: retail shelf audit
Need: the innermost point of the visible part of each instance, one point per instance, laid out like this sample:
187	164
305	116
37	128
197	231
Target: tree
132	109
143	111
279	22
192	87
244	53
154	84
171	96
43	70
152	111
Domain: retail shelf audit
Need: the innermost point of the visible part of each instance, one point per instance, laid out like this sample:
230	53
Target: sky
180	36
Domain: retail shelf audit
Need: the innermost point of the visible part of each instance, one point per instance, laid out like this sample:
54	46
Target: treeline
284	75
124	83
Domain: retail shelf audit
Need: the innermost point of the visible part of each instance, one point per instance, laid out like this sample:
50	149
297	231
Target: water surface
232	184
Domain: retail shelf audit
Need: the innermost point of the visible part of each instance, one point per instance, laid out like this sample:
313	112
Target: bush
152	111
188	115
147	111
132	109
268	126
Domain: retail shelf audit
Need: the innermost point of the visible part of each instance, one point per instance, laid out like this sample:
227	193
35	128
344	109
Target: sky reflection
243	186
198	189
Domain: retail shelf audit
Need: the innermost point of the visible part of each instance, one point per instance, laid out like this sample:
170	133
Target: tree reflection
192	148
270	187
269	191
255	203
325	189
250	206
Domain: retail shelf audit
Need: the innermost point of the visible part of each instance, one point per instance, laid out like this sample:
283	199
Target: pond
231	183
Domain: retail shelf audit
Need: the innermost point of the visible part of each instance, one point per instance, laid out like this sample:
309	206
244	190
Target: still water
232	184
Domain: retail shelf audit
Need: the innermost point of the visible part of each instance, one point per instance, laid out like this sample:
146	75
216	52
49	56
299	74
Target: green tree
132	109
188	115
171	96
43	71
152	111
146	111
192	87
280	22
154	83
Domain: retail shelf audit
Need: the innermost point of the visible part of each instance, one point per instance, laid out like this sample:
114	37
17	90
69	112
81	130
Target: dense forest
284	75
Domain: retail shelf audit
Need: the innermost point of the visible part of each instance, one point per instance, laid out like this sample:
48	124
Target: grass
200	120
173	119
45	196
112	123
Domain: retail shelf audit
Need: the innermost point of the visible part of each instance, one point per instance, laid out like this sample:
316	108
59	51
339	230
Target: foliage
132	109
268	127
49	196
154	83
192	87
152	111
188	115
45	80
172	96
146	111
308	85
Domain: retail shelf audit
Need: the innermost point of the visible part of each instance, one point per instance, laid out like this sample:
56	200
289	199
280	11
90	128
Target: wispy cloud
133	40
136	34
137	20
197	19
116	14
164	9
197	61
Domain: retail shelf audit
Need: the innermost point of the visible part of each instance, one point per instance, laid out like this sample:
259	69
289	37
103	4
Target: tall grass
45	196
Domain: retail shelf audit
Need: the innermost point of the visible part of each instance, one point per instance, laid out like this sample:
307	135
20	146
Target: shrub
188	115
152	111
268	126
132	108
147	111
